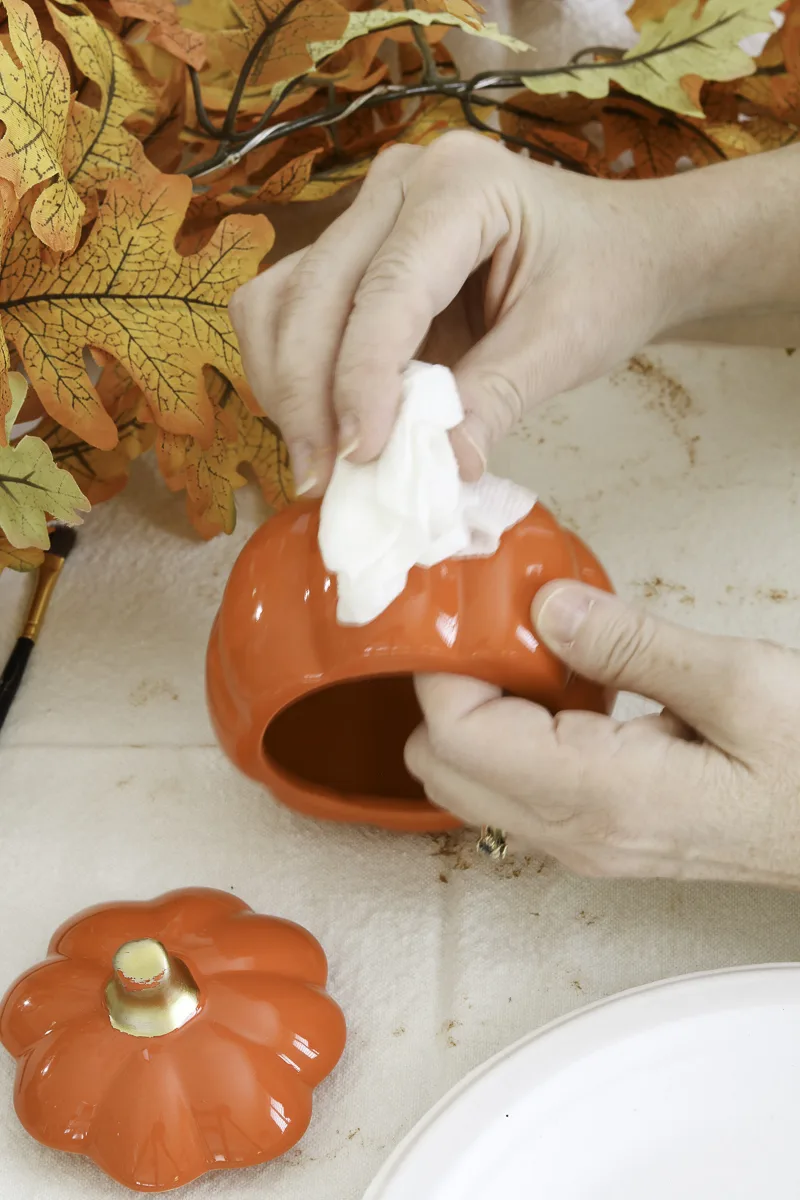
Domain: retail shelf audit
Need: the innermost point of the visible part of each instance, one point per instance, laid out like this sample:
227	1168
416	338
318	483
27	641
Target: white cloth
410	507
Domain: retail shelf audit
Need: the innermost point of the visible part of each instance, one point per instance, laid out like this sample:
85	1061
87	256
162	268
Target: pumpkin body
227	1082
320	713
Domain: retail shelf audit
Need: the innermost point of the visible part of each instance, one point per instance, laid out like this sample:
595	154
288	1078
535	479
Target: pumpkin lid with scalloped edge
170	1038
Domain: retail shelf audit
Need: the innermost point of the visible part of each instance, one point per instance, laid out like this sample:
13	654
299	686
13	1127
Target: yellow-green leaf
376	19
18	388
668	50
34	105
31	488
98	147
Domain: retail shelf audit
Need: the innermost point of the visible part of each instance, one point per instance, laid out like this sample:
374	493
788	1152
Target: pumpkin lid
171	1038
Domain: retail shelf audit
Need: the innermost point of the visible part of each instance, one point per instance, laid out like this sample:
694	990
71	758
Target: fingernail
469	452
305	477
563	613
349	434
479	451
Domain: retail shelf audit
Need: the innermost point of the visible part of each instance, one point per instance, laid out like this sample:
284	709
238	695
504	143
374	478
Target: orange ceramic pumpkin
320	713
171	1038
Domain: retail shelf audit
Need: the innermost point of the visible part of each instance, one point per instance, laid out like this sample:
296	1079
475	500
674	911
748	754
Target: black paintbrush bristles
62	541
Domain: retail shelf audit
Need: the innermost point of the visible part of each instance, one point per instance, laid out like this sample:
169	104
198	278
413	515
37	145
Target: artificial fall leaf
212	475
32	486
17	389
288	182
160	126
356	68
432	120
101	474
129	292
19	560
282	186
165	28
775	90
34	105
770	95
754	136
642	11
284	28
9	215
328	183
668	50
369	21
98	146
656	141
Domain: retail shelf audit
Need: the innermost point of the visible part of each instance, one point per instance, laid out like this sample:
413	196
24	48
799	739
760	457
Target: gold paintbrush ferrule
46	581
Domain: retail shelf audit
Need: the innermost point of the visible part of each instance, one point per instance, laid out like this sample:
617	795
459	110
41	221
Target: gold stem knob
151	993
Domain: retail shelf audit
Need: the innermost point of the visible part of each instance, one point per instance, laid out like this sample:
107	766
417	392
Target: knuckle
456	146
303	281
391	276
390	163
502	403
444	740
420	757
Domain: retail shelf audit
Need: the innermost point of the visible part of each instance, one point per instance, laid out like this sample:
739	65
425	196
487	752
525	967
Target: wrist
720	233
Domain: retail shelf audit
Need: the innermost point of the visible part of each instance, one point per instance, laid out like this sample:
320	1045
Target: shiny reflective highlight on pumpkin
320	713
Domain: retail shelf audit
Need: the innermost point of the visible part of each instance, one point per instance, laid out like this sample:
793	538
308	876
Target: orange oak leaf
289	180
101	474
277	33
165	28
753	136
19	560
328	183
655	10
212	475
355	68
554	129
98	146
770	95
160	126
34	105
129	292
431	120
657	141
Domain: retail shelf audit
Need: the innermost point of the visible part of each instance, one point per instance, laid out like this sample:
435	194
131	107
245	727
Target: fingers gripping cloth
410	506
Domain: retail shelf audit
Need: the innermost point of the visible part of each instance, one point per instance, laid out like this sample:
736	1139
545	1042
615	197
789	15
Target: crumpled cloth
410	506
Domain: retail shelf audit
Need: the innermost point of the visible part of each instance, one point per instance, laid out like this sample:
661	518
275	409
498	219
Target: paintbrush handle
12	675
15	667
45	582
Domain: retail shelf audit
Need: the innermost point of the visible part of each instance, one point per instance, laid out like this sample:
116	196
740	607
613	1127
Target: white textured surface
112	787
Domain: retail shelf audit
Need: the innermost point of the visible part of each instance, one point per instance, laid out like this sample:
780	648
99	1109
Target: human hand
708	789
526	280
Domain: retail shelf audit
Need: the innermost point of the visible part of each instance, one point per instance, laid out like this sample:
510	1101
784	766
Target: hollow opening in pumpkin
349	738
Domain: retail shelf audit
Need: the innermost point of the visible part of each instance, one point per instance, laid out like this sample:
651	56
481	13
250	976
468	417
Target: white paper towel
410	507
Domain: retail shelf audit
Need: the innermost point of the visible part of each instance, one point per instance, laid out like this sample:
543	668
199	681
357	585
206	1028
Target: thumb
696	676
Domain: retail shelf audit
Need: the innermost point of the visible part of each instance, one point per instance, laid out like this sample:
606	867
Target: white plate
687	1090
